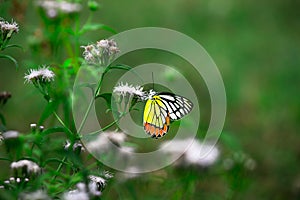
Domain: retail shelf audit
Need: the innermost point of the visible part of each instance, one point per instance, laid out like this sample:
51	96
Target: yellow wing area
156	117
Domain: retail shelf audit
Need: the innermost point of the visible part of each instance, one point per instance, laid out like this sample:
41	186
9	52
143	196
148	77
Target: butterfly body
161	109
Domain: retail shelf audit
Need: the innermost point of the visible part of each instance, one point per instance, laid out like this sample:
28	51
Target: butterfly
161	109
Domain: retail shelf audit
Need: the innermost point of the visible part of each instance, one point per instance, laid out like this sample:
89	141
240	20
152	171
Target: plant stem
86	115
69	132
59	167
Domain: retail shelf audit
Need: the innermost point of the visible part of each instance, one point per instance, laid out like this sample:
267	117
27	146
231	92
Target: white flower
113	50
77	146
37	195
79	194
42	74
7	27
105	141
126	89
33	127
96	184
193	152
103	44
68	7
83	193
10	135
52	7
148	95
67	145
202	154
100	53
108	175
30	166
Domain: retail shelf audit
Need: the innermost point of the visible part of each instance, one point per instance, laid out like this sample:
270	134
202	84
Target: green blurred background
256	47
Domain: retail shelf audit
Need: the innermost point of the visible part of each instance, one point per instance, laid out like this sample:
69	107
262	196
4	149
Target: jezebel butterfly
161	109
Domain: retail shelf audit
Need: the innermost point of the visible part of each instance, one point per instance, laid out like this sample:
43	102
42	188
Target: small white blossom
43	74
202	154
9	27
108	175
67	145
77	146
30	166
100	53
78	194
33	127
82	192
53	8
113	50
148	95
37	195
193	152
10	135
96	184
125	89
105	141
103	44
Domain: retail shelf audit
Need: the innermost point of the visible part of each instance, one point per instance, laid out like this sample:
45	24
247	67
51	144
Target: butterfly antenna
152	81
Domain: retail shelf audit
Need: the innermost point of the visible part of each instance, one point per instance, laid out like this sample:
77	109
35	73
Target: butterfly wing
161	109
177	106
156	118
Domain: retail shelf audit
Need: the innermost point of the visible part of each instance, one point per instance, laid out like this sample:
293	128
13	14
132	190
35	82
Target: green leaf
107	97
2	119
54	160
11	59
123	67
50	108
13	45
94	27
53	130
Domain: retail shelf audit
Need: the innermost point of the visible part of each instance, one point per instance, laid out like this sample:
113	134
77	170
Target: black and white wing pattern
177	106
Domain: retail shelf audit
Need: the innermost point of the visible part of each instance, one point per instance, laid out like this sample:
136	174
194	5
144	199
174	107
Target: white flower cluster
13	180
195	152
36	195
100	53
53	7
10	135
85	192
77	146
128	90
7	27
27	166
105	141
41	75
